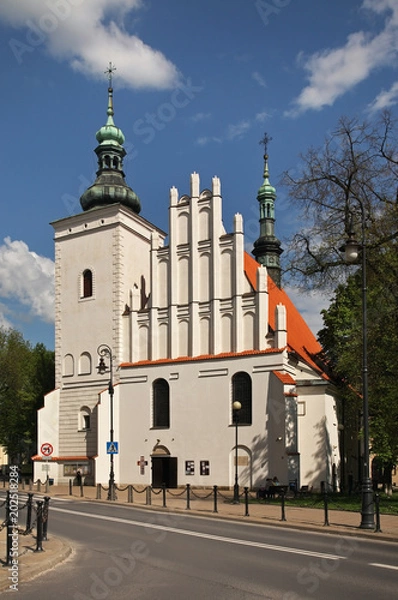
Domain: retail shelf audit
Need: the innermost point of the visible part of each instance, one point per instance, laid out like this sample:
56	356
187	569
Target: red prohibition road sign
46	449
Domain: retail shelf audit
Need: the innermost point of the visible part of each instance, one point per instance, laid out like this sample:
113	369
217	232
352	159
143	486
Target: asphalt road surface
129	553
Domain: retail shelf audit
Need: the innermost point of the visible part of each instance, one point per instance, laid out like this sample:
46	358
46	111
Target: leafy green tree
26	374
351	186
341	340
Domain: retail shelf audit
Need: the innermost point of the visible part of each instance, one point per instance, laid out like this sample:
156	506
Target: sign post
46	449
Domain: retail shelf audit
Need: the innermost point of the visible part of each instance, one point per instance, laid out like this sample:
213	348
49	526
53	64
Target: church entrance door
164	471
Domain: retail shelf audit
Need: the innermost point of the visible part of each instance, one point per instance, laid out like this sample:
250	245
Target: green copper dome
109	133
110	186
266	190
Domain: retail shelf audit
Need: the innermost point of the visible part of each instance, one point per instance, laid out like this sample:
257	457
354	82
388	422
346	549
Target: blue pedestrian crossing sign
112	447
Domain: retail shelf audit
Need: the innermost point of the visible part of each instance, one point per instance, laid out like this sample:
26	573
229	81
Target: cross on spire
110	71
265	141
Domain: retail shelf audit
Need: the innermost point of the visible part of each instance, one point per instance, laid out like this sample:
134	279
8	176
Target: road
123	552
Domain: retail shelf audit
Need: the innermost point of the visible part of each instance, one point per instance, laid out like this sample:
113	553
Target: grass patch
388	504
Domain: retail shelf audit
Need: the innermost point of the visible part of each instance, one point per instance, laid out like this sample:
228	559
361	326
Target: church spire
110	186
267	248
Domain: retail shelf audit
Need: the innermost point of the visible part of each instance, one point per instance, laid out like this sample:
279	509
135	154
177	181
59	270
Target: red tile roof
202	357
285	378
37	457
300	338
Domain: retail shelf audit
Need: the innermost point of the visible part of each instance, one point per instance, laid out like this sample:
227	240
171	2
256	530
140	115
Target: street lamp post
236	406
105	351
351	249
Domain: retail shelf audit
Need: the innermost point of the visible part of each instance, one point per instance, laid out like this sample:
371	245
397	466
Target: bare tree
356	170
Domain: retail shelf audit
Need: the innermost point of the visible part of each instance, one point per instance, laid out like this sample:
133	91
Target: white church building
193	324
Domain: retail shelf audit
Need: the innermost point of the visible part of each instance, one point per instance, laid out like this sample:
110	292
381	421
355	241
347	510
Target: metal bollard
283	517
70	487
98	491
164	494
29	505
46	507
130	494
31	484
39	526
9	530
246	492
377	508
325	505
215	498
188	496
81	490
39	485
148	496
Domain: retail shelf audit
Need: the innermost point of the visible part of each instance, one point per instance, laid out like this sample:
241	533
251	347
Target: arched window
161	404
84	419
87	283
242	392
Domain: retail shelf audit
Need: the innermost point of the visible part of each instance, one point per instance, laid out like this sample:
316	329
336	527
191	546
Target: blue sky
197	84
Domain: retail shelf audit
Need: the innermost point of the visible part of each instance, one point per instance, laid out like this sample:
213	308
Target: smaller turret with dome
110	186
267	248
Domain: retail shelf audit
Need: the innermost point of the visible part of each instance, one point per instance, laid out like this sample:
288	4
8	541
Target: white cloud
262	116
204	140
259	78
237	130
88	34
234	130
200	117
385	99
27	278
5	323
333	72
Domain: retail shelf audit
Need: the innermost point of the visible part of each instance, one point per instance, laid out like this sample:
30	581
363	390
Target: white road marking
207	536
393	567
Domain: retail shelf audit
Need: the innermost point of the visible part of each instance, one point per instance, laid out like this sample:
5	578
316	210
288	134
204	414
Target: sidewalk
56	550
31	563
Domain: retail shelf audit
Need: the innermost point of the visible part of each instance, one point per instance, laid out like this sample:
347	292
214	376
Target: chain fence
207	499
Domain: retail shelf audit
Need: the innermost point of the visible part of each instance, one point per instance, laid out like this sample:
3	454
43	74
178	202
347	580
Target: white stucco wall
201	425
317	434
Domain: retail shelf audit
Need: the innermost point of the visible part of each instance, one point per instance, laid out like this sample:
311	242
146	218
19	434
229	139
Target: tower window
84	419
161	404
87	283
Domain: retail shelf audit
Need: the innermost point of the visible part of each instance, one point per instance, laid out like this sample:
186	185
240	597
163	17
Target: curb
32	564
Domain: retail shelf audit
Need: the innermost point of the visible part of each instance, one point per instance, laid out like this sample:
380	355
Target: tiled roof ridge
203	357
54	458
